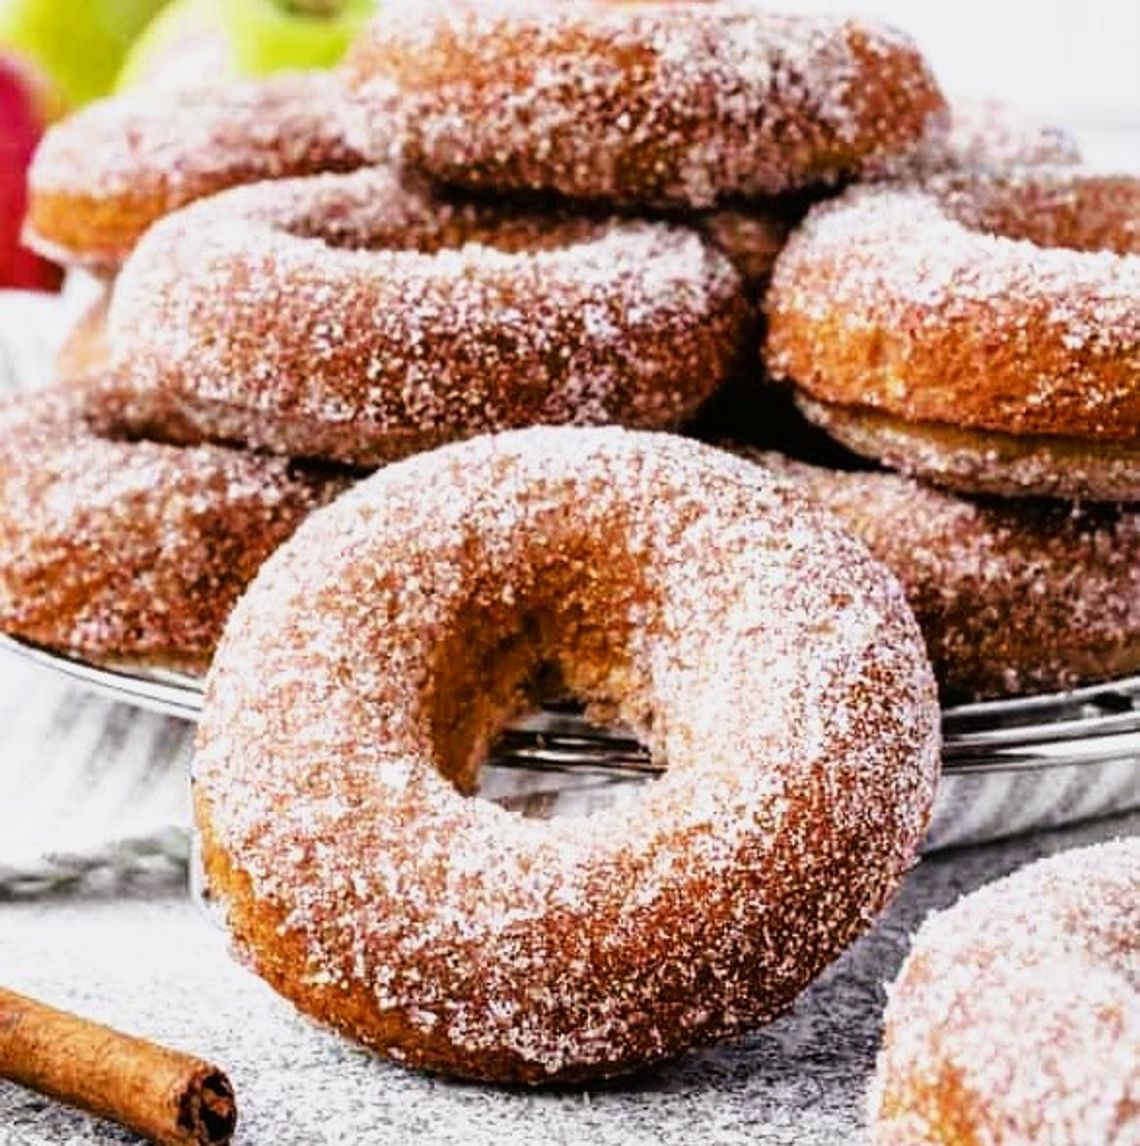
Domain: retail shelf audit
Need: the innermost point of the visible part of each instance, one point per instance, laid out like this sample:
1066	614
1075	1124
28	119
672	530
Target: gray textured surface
152	964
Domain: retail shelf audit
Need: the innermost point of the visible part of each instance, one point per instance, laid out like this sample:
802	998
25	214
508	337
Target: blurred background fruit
81	45
27	106
182	46
56	55
192	41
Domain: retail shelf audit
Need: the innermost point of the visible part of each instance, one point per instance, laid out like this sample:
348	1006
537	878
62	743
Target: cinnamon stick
171	1098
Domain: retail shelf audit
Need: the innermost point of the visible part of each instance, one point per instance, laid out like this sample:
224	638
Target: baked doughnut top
664	582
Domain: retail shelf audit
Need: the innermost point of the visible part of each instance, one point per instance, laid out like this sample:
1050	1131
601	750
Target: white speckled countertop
149	962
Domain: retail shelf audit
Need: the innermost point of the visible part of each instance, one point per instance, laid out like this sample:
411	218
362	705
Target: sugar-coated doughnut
983	134
358	318
1013	597
127	550
985	461
363	675
1004	304
637	103
1016	1016
105	174
987	135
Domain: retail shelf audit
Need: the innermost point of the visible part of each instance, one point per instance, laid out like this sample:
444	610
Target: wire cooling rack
1083	726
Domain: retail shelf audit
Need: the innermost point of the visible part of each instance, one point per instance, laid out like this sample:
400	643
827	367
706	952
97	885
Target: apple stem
312	7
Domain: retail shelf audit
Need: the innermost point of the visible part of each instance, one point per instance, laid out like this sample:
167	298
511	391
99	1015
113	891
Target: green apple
184	45
197	40
271	35
81	46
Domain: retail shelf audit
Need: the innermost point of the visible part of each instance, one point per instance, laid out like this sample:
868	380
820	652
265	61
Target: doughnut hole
564	634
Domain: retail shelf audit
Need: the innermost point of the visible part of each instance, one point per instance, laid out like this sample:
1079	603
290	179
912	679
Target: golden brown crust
127	550
982	461
957	304
105	174
363	675
1016	1018
1012	597
360	318
638	103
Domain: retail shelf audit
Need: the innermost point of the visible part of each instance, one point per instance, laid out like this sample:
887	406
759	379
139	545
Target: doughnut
639	103
128	551
1012	597
981	331
1015	1017
105	174
753	235
358	319
984	461
987	135
982	134
362	677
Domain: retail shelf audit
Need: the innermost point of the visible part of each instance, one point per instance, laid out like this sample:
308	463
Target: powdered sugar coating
103	175
985	461
1004	303
637	103
1012	597
1016	1017
363	674
358	318
131	550
987	135
983	135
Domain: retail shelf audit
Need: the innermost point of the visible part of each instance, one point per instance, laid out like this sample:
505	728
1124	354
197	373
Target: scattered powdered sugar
1012	597
915	301
360	318
132	549
107	172
1016	1016
638	103
757	650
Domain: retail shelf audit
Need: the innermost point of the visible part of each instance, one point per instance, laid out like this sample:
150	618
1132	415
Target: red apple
25	112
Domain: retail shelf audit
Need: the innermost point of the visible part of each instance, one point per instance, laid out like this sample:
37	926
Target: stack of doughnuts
500	245
979	332
356	267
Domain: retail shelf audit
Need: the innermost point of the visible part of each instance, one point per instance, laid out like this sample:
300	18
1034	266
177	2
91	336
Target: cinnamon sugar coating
106	173
1003	303
985	461
127	550
1013	598
358	318
637	103
982	135
987	135
1016	1016
374	658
